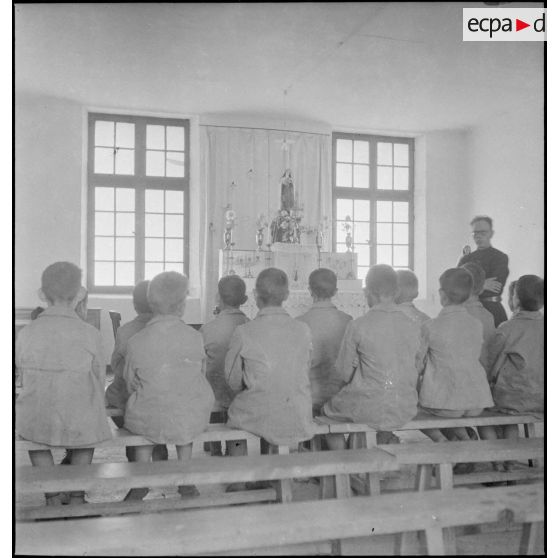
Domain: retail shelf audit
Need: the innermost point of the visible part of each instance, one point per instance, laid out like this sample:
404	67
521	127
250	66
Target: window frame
139	182
372	193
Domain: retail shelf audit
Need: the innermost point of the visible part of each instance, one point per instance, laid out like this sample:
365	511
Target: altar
297	261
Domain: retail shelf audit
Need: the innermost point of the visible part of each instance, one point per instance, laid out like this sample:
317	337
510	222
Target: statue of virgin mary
287	191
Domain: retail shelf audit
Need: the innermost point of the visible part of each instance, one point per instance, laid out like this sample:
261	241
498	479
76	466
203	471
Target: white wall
507	182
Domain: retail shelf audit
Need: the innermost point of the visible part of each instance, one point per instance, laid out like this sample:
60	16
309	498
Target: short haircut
322	282
272	286
36	312
407	283
167	292
477	218
381	280
478	274
457	283
61	281
232	290
530	292
139	297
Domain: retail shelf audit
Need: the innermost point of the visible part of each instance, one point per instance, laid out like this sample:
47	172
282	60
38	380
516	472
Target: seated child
474	306
267	368
216	337
377	361
454	383
327	326
60	360
170	399
407	291
516	357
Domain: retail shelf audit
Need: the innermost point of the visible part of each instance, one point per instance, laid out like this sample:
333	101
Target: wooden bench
198	471
218	531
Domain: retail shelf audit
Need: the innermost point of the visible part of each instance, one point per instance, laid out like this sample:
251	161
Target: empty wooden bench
218	531
198	471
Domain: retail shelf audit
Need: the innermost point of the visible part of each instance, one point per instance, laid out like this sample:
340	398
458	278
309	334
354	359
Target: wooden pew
218	531
198	471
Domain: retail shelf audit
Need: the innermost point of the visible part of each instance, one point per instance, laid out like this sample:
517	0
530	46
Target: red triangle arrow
519	25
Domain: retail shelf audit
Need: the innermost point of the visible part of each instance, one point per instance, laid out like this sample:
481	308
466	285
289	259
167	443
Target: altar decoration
230	217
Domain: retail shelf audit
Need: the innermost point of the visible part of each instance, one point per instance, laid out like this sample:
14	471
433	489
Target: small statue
287	191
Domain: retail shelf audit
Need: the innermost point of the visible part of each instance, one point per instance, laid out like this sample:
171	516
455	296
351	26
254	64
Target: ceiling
381	66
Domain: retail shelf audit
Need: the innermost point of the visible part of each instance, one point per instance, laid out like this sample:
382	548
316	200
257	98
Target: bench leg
253	446
529	430
284	487
529	533
327	488
434	541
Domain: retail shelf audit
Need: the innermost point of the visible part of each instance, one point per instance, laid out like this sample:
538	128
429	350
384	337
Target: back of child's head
322	283
511	292
139	298
529	290
478	275
407	286
381	281
457	284
61	281
272	286
81	306
232	290
166	293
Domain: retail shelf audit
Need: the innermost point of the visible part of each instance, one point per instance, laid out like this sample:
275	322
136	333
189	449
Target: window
137	199
373	183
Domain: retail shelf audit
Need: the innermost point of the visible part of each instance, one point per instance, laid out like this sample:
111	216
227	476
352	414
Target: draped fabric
243	167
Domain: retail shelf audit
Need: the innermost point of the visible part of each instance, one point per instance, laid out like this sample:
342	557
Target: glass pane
383	233
174	225
400	234
385	178
401	256
362	176
362	271
104	223
362	210
125	199
154	201
174	250
401	212
104	248
125	250
383	255
344	208
401	154
125	274
340	247
155	138
125	224
362	152
104	160
175	164
152	269
125	134
154	224
124	161
104	133
154	250
344	150
104	274
363	251
104	199
361	233
174	267
344	175
155	163
383	211
174	201
384	154
400	178
175	138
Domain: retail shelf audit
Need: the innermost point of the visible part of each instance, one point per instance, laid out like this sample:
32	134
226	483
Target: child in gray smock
407	291
170	398
216	339
59	358
378	362
327	325
454	382
516	357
